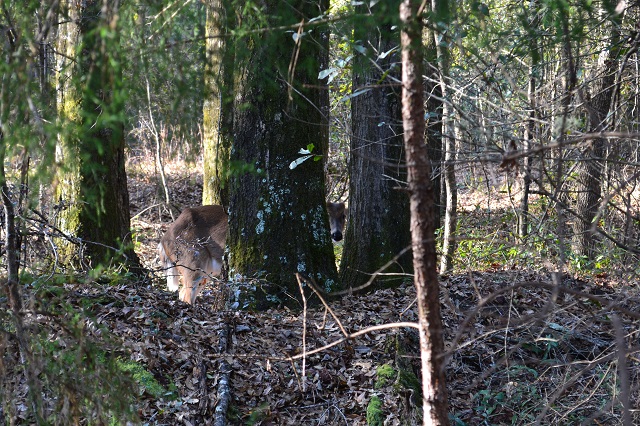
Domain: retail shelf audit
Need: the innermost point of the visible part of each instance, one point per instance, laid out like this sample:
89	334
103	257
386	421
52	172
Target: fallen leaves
501	352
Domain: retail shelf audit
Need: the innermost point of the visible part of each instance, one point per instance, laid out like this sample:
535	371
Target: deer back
197	235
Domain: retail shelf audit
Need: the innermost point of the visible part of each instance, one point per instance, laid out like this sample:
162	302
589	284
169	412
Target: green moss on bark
278	223
91	192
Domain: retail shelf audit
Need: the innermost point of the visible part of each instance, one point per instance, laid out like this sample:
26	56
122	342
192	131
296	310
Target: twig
154	131
318	292
354	335
304	333
623	371
551	287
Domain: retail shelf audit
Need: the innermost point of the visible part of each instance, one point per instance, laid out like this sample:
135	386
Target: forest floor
519	350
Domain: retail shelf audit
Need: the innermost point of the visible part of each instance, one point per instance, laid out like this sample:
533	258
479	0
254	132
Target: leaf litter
517	350
525	344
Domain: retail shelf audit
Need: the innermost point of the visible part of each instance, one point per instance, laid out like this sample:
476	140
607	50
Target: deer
192	247
337	218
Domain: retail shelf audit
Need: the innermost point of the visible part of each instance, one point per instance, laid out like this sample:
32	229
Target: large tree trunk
378	214
92	182
590	171
278	223
218	102
423	223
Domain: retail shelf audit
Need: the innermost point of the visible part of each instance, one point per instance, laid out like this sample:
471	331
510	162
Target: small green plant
515	401
375	415
79	373
489	403
258	415
144	379
604	262
385	375
579	262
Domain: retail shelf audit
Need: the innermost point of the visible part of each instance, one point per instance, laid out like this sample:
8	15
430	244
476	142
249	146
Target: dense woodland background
116	115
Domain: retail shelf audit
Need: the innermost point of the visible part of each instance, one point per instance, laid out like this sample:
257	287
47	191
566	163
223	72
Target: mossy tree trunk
91	189
378	229
278	223
218	102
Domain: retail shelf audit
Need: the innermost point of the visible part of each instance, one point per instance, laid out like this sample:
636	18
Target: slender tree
218	102
10	41
531	26
423	224
568	83
91	189
451	200
442	20
378	216
278	221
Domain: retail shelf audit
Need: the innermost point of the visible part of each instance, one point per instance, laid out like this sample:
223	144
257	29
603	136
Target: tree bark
434	112
92	182
529	132
590	172
218	102
442	16
278	223
449	243
378	228
423	223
